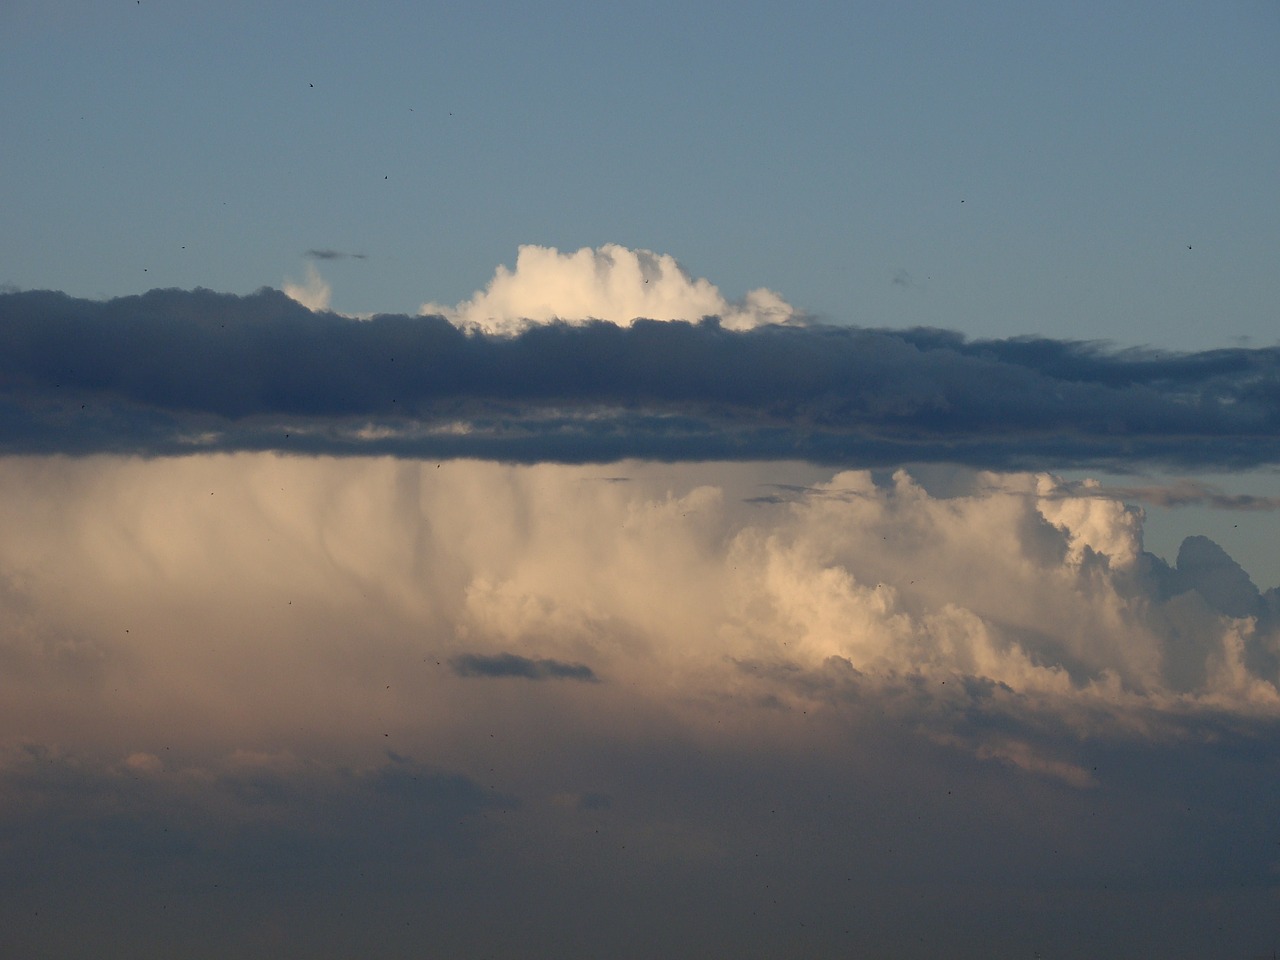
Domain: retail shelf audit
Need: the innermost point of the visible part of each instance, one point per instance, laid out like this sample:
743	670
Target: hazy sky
563	481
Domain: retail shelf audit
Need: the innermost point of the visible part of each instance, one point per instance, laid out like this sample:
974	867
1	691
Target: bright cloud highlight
314	293
610	282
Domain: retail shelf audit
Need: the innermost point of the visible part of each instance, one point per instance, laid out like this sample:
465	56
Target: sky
576	481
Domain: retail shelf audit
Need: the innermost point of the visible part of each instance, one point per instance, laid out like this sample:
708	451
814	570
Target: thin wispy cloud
611	283
329	254
1184	492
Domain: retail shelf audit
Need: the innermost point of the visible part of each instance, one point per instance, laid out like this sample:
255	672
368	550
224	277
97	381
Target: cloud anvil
173	371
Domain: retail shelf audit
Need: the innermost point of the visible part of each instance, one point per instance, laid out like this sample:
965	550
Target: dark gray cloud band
175	371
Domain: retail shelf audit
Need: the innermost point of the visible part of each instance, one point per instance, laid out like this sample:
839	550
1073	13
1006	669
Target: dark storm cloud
173	371
513	665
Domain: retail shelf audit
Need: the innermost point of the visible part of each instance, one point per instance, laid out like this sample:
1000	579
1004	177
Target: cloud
252	689
172	371
328	254
313	294
610	283
534	572
1186	492
513	665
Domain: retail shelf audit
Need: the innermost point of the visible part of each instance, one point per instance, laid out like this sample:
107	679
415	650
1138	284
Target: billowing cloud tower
611	283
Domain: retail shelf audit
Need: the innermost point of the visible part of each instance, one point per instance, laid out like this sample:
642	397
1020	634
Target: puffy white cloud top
611	283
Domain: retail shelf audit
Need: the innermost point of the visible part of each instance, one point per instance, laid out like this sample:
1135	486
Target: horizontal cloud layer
174	371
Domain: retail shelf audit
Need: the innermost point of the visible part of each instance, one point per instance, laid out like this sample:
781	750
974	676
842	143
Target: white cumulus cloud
611	283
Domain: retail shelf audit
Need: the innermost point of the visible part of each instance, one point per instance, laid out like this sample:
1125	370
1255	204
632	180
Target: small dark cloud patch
595	801
789	493
327	254
525	668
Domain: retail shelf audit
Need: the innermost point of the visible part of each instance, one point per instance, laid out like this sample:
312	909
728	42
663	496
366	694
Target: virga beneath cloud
326	658
177	582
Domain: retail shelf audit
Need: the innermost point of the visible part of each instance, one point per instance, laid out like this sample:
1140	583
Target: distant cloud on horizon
174	371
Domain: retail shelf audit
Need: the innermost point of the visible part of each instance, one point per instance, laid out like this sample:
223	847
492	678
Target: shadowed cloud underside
180	371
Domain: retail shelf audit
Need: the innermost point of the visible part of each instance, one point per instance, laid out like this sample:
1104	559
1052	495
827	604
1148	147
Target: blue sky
997	169
565	480
1084	171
